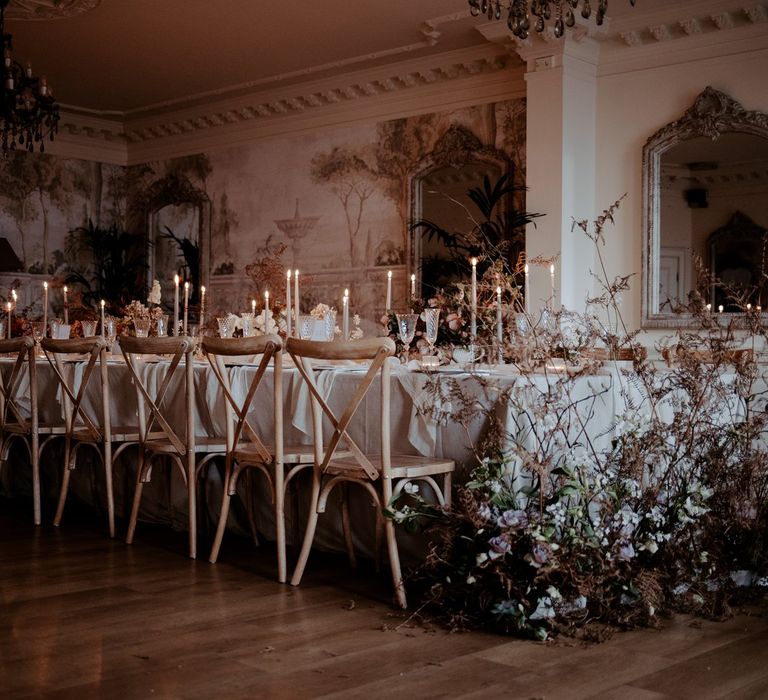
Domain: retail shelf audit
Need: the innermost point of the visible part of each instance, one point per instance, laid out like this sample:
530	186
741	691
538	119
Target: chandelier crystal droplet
523	16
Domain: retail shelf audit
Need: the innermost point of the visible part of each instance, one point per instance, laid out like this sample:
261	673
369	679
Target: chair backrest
91	351
377	351
153	411
10	409
269	347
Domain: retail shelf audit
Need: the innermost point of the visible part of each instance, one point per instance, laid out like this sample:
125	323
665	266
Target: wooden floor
83	617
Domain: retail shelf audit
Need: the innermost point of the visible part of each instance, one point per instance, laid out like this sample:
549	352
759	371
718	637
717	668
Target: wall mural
332	203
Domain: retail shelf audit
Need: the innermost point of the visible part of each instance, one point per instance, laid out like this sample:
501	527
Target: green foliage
113	267
497	234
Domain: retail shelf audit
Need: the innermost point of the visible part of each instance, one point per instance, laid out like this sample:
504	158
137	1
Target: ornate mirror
458	163
705	207
178	224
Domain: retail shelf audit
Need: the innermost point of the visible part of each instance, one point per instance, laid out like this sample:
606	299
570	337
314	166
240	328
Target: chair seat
42	429
292	454
125	433
202	444
403	466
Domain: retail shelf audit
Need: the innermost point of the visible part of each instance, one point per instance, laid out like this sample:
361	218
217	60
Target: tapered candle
473	301
103	329
345	314
202	309
66	307
176	305
413	287
296	298
266	312
552	285
499	321
388	305
45	310
527	290
8	307
288	309
186	305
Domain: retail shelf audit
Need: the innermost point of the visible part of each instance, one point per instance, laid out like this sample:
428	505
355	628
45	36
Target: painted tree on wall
17	200
349	177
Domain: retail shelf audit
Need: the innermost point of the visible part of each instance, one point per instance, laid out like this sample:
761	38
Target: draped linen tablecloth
422	422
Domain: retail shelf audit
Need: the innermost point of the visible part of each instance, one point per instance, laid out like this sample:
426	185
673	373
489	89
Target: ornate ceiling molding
698	24
315	96
49	9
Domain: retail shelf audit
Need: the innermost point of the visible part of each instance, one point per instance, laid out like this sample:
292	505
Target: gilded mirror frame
457	147
713	113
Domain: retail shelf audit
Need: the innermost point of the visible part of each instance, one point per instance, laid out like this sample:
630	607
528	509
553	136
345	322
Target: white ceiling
129	55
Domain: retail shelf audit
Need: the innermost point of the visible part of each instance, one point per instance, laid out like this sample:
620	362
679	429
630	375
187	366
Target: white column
560	174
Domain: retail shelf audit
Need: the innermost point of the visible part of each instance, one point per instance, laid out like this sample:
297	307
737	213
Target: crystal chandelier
28	112
520	12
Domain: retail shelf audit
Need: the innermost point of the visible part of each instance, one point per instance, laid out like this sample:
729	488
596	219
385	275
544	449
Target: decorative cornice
698	23
305	98
48	9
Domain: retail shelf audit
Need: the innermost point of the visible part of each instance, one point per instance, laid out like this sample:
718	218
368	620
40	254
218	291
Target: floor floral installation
573	524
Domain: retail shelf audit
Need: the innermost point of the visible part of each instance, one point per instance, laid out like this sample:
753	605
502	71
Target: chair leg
379	536
223	514
110	491
249	506
192	496
35	458
394	563
282	567
345	525
309	532
64	485
136	501
447	481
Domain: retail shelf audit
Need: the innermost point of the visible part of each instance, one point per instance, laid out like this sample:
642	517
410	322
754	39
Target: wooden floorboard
82	616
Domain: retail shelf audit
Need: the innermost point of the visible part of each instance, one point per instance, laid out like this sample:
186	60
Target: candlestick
388	305
186	305
288	303
296	299
473	300
202	309
8	307
103	329
413	287
66	307
266	312
527	290
345	314
176	305
499	321
552	285
45	310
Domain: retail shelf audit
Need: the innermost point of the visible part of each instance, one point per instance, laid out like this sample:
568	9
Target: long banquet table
421	423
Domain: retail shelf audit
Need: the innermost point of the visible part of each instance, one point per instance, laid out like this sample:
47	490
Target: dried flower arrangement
573	524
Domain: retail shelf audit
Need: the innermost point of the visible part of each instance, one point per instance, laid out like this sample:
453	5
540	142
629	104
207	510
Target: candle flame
551	269
202	290
186	286
526	268
474	262
288	274
389	274
103	303
66	289
720	308
176	280
45	284
346	292
498	291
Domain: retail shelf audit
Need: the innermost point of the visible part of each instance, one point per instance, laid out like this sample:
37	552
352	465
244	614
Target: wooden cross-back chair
15	422
82	427
157	435
279	463
381	475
